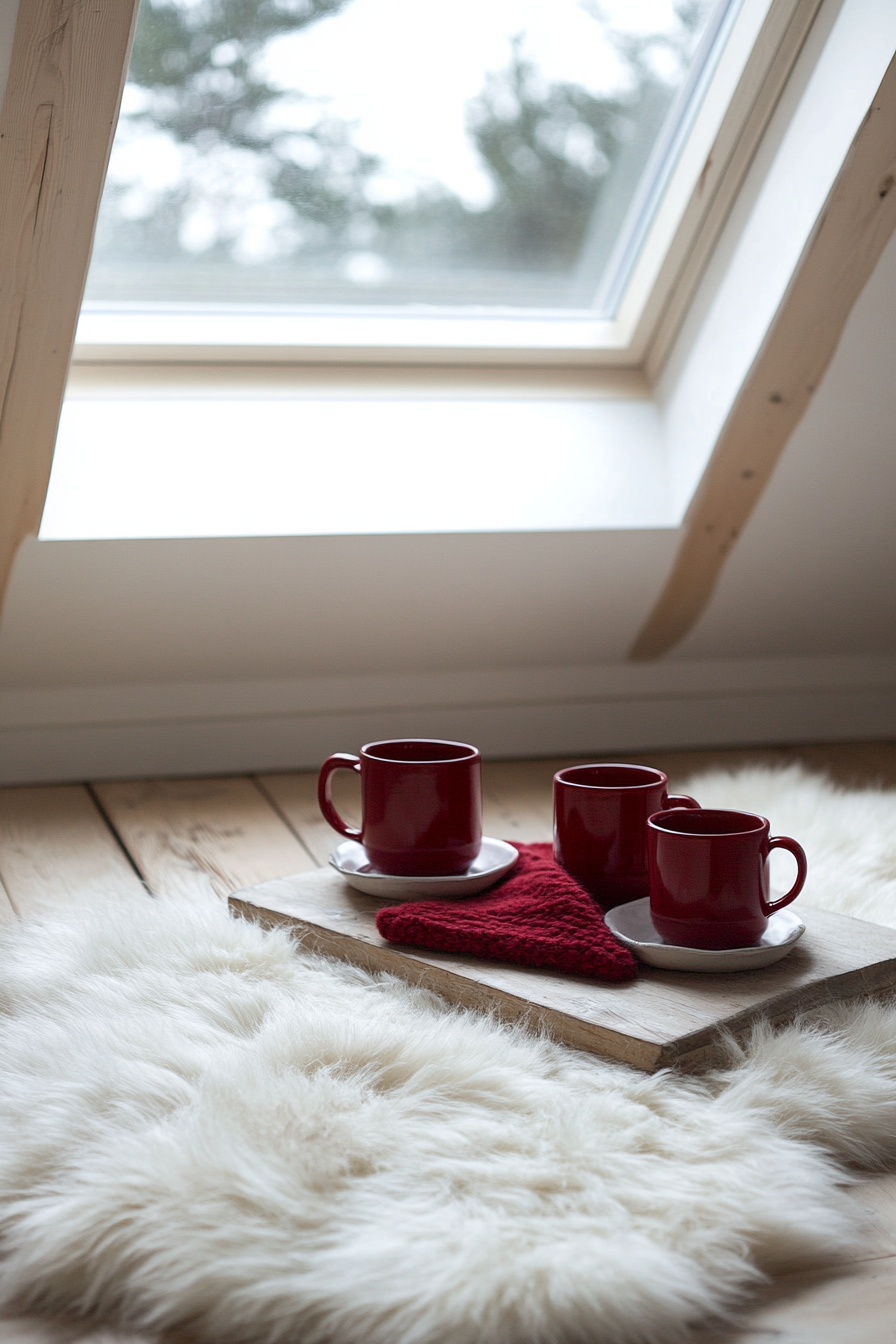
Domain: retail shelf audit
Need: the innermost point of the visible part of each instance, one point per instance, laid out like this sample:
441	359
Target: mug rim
678	814
467	753
659	776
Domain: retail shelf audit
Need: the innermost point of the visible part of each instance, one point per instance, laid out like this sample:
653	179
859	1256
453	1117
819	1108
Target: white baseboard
97	732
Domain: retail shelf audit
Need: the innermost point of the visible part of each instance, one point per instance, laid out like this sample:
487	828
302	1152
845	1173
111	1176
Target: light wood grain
854	1304
58	117
876	1199
295	798
518	800
853	228
55	846
202	837
662	1018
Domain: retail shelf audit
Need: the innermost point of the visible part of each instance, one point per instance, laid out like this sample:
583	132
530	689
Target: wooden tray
662	1018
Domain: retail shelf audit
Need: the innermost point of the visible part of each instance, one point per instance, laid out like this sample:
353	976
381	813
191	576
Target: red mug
709	880
421	803
600	826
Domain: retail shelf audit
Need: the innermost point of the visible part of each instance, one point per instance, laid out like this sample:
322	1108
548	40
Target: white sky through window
439	63
473	152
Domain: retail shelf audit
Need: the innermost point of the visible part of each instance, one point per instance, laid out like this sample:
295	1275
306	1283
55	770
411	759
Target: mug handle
680	800
792	847
341	761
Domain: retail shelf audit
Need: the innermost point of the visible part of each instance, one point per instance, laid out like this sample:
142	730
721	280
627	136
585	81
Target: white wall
183	656
81	612
238	452
136	657
815	569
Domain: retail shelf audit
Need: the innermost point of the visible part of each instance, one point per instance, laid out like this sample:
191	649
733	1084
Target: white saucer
494	859
633	926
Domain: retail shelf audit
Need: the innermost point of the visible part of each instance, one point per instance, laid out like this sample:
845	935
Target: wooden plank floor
200	839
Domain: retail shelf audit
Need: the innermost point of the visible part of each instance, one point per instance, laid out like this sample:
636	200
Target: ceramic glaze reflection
709	876
421	805
600	826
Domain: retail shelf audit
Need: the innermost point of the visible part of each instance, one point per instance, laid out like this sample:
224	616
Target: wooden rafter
852	230
58	117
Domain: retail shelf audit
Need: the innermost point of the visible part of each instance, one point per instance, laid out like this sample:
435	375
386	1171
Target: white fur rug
203	1130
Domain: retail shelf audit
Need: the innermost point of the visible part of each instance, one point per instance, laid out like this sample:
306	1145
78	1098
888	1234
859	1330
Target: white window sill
273	458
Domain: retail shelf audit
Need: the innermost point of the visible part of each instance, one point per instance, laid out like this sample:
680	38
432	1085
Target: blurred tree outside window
393	152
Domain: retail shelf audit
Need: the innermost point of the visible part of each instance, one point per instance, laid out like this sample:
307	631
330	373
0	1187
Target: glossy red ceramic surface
600	826
421	805
709	876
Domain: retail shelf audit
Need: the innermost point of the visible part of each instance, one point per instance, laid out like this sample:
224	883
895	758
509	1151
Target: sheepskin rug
206	1130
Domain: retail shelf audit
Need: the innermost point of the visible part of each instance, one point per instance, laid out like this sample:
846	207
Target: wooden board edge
696	1052
460	989
706	1049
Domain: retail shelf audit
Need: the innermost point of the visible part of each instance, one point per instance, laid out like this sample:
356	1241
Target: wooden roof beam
60	108
840	255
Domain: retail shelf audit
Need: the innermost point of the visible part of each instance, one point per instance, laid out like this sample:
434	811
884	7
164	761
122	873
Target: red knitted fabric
538	916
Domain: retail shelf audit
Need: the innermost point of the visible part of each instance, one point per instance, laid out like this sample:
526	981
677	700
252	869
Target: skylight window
500	154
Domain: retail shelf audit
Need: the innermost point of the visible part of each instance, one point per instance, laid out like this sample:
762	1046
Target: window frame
759	42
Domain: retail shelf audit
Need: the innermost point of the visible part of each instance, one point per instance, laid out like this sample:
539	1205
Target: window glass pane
459	152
